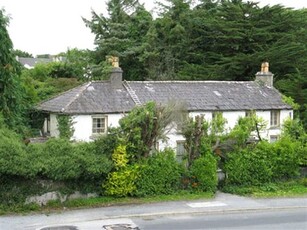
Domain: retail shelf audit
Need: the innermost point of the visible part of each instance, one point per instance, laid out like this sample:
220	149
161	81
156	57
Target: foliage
20	53
12	153
147	124
65	126
159	174
58	159
121	182
263	163
207	40
106	144
203	136
203	173
79	61
120	34
291	188
247	127
250	166
294	130
286	158
194	131
12	104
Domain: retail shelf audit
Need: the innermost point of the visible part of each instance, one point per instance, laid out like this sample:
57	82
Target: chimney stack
116	73
265	76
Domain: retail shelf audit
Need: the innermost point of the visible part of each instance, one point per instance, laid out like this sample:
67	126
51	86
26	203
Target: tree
20	53
144	126
121	34
12	104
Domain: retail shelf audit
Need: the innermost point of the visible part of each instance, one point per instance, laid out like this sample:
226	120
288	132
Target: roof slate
100	97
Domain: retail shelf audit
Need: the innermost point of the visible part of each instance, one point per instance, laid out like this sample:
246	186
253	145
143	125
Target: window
180	150
99	124
273	138
275	118
216	114
250	113
48	124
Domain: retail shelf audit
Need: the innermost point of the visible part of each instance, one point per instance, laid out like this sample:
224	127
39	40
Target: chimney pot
116	73
265	76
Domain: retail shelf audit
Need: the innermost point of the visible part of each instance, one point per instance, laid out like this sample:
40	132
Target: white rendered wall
54	131
82	125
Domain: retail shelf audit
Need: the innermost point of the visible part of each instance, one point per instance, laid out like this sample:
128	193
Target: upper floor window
275	118
99	124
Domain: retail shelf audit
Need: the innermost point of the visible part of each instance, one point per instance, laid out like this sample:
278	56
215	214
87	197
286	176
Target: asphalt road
225	211
277	219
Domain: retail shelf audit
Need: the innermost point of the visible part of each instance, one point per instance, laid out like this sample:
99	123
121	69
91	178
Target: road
277	219
225	211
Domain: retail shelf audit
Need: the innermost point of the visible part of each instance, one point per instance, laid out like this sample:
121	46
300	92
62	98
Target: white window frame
97	120
275	118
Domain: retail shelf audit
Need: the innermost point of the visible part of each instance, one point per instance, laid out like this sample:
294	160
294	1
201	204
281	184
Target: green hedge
263	163
203	173
159	174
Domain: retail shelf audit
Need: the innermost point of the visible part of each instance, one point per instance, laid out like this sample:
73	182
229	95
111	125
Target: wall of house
83	125
232	118
54	131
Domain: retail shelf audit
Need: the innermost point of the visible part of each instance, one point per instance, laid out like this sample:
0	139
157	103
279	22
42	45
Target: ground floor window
180	150
99	124
273	138
275	118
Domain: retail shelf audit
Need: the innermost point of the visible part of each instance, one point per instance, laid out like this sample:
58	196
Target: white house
97	105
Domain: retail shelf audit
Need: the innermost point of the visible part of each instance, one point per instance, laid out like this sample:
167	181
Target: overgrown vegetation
183	43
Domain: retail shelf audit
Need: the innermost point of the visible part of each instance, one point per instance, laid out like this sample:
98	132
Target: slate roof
100	97
31	62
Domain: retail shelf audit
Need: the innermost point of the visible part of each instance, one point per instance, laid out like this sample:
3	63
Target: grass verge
292	188
53	206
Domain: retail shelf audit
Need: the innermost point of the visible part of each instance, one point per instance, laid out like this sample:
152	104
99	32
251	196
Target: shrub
203	173
12	154
93	165
159	174
250	166
286	158
122	183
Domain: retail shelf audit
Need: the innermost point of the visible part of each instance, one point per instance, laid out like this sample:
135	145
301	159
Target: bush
286	158
250	166
159	174
12	154
122	183
203	173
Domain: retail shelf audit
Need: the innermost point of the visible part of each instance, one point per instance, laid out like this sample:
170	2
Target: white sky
53	26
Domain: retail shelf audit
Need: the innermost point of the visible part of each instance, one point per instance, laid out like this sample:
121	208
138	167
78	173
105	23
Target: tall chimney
116	73
265	76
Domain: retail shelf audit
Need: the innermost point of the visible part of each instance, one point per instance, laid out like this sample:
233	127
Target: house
97	105
29	63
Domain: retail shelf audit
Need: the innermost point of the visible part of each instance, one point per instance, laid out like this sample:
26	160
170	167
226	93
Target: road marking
206	204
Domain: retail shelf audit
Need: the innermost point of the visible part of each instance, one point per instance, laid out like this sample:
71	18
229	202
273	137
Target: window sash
99	125
275	118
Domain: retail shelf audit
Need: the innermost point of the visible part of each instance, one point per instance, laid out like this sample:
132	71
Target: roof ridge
82	88
180	81
57	95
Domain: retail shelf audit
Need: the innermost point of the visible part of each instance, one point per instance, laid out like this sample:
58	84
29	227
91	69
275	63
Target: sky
53	26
